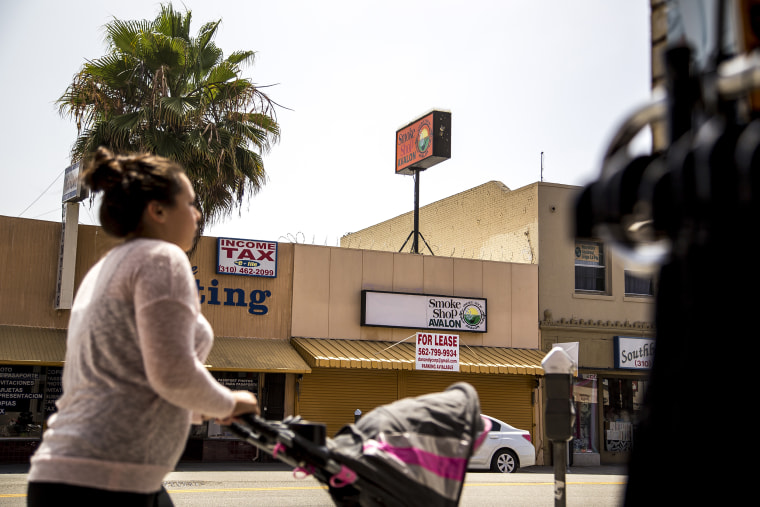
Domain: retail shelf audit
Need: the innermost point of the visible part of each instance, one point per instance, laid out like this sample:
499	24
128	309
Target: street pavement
265	484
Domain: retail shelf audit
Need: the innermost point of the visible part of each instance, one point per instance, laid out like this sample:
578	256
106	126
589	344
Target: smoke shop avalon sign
423	311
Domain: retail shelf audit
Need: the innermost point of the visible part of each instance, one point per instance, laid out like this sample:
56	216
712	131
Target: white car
504	449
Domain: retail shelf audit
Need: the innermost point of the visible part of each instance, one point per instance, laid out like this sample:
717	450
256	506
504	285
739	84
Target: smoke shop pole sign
437	352
424	142
423	311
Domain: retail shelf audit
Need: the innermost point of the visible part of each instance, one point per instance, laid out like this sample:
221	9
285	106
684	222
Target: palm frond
207	33
172	23
221	73
120	35
242	58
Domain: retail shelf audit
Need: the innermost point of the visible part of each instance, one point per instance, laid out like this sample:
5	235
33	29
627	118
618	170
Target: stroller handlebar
298	443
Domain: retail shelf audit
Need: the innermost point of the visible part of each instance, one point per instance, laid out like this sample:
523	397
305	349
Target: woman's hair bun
129	182
104	171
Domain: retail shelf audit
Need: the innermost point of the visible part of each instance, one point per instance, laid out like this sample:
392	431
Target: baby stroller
410	452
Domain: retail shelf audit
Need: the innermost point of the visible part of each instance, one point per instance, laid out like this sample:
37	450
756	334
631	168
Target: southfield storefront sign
423	311
634	353
437	352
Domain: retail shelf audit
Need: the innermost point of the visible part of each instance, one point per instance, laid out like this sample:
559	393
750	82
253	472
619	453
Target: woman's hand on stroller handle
245	403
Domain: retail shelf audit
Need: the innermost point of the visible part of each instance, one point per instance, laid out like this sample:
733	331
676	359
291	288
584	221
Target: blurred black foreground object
692	211
408	453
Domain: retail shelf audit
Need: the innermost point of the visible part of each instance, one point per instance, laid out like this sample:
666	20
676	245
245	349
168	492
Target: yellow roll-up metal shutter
505	397
331	395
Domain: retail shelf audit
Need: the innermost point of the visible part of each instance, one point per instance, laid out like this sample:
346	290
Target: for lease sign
246	257
437	352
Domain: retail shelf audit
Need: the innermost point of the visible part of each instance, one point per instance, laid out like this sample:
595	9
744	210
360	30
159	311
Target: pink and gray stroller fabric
411	452
416	449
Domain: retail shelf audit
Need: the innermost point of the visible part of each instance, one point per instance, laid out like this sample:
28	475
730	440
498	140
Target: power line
43	193
47	213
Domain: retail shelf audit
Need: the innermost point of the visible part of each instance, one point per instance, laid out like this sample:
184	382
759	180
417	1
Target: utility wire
43	193
85	208
47	213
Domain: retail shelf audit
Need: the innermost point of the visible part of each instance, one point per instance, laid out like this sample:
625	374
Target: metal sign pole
416	232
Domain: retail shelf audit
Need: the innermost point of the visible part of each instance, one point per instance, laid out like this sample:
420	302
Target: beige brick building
488	222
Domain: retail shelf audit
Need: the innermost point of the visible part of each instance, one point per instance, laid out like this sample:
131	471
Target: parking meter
560	412
558	389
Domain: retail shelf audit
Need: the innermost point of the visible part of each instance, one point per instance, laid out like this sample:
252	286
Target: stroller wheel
505	462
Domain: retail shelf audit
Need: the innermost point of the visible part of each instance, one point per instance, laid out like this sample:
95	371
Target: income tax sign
437	352
246	257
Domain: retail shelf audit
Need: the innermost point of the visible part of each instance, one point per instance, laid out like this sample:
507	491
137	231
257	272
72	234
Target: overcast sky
519	77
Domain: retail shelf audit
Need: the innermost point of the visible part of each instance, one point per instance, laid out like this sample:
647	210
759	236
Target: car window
495	426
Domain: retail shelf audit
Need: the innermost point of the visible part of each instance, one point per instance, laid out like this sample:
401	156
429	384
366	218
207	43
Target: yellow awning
47	347
255	354
32	345
327	353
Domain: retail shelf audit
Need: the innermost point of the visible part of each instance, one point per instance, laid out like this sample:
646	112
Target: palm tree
161	90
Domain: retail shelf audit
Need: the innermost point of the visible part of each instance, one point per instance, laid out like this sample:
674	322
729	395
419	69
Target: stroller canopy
410	452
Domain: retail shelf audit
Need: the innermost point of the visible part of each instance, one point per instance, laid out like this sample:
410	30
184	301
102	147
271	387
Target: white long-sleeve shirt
134	373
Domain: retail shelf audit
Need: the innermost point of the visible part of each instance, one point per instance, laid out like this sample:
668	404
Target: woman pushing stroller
134	377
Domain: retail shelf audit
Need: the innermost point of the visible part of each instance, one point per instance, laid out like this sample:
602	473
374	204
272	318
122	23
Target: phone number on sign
437	352
245	271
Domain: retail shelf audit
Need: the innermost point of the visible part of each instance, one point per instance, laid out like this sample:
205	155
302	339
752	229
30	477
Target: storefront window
638	284
590	267
623	400
586	414
53	389
237	381
27	399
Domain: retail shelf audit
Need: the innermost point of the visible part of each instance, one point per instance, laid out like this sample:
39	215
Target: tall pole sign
421	144
73	192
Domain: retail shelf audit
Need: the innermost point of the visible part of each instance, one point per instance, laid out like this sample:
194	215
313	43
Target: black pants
45	494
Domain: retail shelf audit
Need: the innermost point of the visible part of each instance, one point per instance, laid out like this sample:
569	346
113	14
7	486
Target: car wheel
505	462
